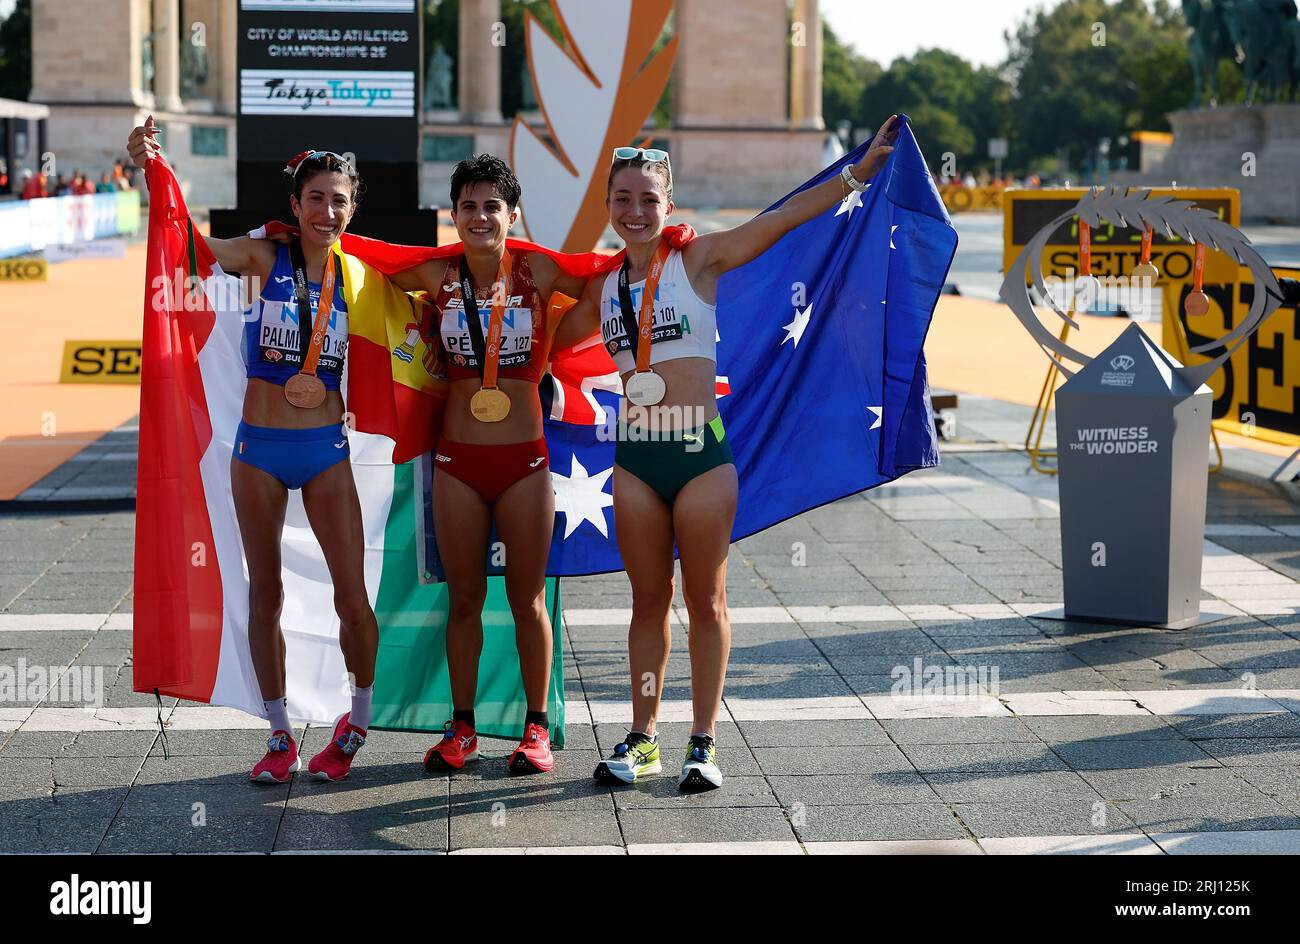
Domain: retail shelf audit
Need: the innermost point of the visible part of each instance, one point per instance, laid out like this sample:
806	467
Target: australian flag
821	377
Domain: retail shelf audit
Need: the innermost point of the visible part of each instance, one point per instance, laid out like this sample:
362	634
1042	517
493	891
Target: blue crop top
271	344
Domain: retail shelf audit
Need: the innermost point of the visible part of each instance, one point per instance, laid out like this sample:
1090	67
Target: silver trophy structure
1133	431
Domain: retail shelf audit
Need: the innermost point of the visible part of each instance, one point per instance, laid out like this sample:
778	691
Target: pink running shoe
533	755
335	761
280	762
459	744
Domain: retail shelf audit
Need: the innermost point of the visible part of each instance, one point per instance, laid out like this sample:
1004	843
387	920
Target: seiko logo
1121	362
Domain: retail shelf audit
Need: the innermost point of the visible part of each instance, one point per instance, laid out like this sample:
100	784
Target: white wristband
846	175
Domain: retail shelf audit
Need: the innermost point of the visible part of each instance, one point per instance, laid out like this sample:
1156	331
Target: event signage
1133	424
332	75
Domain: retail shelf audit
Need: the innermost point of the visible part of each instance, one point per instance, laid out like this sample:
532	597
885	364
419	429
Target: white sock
277	713
361	706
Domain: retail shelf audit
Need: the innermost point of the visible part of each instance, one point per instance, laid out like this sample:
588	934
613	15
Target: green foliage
1063	87
16	52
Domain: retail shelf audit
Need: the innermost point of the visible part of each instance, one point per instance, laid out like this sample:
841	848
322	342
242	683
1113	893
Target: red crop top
526	330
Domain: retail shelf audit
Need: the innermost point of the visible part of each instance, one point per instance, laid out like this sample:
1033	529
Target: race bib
516	333
665	324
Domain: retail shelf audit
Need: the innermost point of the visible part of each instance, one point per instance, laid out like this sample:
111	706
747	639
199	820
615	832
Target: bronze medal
1197	302
305	391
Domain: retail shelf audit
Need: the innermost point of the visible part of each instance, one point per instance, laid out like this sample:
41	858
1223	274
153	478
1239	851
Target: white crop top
682	326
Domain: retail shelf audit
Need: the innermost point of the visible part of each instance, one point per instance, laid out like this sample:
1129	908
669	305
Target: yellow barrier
101	362
959	199
24	269
1257	393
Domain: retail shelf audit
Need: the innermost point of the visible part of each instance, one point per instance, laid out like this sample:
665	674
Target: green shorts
666	465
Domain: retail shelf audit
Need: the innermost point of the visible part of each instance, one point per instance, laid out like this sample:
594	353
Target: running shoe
335	761
700	772
636	757
459	744
533	755
280	762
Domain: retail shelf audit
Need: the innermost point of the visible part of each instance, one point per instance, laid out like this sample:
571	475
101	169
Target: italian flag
191	581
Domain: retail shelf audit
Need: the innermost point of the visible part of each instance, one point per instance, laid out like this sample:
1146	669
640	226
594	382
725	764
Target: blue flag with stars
821	381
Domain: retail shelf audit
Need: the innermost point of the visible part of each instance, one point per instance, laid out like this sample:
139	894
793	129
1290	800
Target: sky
883	30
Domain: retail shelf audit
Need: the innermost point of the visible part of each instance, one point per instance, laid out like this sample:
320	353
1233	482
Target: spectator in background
106	184
34	186
81	184
120	178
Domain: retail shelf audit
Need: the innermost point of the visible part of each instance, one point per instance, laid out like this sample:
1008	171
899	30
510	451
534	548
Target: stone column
731	64
806	68
167	54
227	43
479	63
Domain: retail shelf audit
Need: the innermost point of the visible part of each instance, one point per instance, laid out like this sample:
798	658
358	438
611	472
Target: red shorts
490	469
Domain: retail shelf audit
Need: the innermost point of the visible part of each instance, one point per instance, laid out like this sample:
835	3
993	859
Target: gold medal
1144	271
305	391
489	405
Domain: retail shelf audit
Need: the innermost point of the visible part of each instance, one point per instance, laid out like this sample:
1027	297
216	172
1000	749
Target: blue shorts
294	456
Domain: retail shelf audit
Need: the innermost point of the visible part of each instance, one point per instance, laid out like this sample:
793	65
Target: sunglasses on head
653	155
314	155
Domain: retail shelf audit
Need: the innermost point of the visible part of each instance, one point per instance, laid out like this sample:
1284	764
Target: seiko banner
337	75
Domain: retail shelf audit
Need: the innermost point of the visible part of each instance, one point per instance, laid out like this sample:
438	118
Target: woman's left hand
882	145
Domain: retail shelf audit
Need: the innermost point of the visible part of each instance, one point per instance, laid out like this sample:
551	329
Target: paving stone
982	758
1047	816
663	793
73	820
1273	725
885	758
532	827
812	733
852	789
1252	752
979	787
879	821
964	731
721	824
1105	728
1125	754
197	818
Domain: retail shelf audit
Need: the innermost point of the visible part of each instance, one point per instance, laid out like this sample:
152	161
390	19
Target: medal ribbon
640	340
491	347
1146	245
1198	268
311	354
1085	248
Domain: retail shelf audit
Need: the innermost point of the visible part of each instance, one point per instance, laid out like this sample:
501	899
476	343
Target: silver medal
645	388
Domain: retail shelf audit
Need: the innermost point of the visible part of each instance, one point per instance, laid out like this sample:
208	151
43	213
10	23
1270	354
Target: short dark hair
486	169
322	162
658	168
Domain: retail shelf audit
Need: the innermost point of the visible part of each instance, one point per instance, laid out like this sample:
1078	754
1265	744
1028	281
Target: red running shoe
280	762
335	761
459	744
533	755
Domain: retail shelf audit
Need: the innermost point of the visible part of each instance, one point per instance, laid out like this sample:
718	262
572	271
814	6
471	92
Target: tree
1086	70
956	108
845	76
16	52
